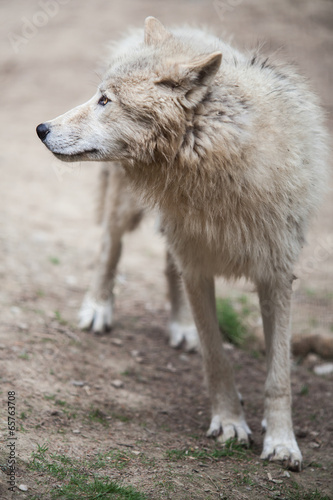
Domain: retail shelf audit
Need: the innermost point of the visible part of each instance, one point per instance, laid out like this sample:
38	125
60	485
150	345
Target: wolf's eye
104	100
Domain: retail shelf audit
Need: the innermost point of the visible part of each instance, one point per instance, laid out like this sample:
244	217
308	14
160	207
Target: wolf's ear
202	70
155	32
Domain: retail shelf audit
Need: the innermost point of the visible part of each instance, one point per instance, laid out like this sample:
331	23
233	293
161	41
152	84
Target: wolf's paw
96	315
179	333
237	429
284	451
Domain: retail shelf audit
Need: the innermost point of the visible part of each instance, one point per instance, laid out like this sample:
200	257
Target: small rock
139	359
269	475
22	326
116	341
314	445
171	368
135	452
286	474
300	433
311	360
117	383
78	383
135	353
76	431
23	487
71	280
184	358
15	310
325	369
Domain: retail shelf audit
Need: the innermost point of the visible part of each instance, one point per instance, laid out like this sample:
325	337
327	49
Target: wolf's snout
42	130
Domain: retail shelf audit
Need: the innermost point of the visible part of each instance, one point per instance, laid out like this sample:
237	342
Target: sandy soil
48	243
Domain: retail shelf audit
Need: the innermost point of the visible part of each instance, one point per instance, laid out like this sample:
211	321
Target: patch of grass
69	413
305	390
230	449
313	322
256	354
24	355
60	402
122	418
77	481
147	461
49	397
229	322
59	318
118	459
96	415
54	260
47	339
307	495
244	480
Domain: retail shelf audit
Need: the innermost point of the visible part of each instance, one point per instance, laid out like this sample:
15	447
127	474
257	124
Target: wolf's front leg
227	414
181	325
121	212
279	444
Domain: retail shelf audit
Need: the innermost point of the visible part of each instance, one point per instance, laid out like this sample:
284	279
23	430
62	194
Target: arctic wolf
120	211
231	149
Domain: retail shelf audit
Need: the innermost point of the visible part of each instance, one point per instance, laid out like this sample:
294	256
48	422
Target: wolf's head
143	105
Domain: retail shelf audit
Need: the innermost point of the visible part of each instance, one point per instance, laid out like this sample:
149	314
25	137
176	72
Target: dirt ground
62	377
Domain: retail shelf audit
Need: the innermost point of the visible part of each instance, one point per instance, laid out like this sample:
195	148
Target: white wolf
233	153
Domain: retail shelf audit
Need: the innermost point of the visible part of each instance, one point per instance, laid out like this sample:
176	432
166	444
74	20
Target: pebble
325	369
311	360
116	341
23	487
286	473
22	326
117	383
76	431
78	383
15	310
314	445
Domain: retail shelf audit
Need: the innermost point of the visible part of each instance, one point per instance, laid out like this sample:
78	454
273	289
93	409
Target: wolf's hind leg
181	325
227	414
121	212
279	444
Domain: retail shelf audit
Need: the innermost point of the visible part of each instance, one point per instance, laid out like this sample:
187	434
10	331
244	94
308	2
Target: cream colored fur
120	211
231	148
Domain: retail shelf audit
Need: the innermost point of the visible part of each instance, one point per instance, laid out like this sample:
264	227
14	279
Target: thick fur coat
231	148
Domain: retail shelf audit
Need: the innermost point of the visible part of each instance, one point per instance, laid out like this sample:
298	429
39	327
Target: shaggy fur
121	211
231	149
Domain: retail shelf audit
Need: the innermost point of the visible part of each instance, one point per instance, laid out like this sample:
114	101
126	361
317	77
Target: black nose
42	131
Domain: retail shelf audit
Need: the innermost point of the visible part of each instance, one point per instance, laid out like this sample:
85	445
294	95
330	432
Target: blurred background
51	51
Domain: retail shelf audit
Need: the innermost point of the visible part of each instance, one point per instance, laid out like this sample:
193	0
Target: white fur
233	154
